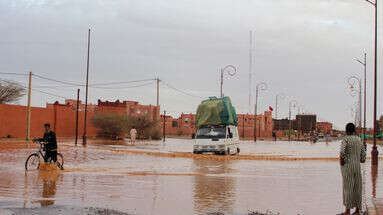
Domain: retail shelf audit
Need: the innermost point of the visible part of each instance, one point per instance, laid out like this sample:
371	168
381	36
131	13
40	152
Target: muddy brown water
158	178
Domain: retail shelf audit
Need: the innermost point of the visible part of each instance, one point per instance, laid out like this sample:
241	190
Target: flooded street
130	179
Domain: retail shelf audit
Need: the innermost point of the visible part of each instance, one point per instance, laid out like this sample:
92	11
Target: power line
116	88
24	87
92	85
126	87
13	73
181	91
54	80
51	94
122	82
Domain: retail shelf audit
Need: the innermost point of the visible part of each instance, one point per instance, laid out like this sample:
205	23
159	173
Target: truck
216	123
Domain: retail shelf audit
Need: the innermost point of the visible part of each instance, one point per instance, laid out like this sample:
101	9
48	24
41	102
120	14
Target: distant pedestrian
352	153
274	135
133	135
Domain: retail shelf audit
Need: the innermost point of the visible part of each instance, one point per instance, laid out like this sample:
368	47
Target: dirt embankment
221	157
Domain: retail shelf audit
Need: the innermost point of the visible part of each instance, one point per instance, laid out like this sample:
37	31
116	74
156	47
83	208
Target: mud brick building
185	125
324	127
62	117
305	123
281	124
302	122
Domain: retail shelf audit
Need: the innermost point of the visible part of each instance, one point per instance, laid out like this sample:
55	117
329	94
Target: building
185	125
281	124
62	117
324	127
305	123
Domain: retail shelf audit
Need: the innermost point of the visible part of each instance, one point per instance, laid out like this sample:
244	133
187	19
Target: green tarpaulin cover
216	111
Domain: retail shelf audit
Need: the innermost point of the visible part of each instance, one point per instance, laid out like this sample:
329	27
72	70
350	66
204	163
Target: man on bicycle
50	143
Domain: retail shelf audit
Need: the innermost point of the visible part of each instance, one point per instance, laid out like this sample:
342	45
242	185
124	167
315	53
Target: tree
145	126
10	91
110	125
116	126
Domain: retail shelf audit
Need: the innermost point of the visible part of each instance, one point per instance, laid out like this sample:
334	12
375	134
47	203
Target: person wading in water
133	135
352	153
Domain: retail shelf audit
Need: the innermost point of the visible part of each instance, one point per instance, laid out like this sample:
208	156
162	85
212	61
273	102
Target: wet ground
158	178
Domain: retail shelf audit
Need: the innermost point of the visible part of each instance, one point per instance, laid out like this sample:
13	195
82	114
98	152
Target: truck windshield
211	132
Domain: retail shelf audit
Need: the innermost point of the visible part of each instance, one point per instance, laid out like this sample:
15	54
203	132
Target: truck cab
217	139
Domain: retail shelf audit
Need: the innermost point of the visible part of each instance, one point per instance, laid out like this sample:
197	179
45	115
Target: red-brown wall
62	117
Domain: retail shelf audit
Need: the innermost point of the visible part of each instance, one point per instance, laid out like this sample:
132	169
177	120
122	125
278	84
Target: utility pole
28	136
250	67
243	126
277	97
86	92
294	103
364	109
289	123
221	84
360	104
158	91
260	86
163	129
364	63
255	120
374	152
77	106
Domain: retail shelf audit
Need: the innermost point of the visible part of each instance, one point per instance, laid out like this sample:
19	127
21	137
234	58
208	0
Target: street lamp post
292	103
278	96
374	152
364	63
260	86
231	70
352	81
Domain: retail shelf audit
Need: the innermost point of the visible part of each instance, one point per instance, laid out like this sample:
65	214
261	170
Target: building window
174	124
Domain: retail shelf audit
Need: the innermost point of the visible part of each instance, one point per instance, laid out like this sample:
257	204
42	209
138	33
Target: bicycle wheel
32	162
60	161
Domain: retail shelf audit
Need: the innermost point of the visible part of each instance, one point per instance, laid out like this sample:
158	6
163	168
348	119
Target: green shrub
116	126
145	126
112	126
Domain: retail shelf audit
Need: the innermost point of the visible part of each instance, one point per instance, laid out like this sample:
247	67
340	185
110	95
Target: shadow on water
45	180
374	177
213	189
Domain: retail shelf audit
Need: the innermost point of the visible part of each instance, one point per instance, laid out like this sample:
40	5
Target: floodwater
165	178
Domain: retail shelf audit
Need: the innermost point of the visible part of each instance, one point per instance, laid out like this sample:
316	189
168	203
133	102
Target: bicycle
34	159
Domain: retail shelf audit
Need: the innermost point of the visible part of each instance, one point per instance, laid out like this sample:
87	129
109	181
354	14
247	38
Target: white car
217	139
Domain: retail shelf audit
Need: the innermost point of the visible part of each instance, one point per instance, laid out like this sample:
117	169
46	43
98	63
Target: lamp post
364	63
260	86
231	70
352	81
374	152
277	97
292	103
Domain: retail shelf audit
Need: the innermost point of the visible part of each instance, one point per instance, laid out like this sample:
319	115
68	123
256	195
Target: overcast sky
305	49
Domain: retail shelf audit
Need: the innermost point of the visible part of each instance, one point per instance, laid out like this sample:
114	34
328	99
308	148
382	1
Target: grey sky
304	48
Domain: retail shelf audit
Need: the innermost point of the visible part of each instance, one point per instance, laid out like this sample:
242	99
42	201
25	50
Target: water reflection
214	189
49	180
374	177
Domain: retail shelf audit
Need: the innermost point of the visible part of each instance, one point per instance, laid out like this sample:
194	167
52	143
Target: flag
271	108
